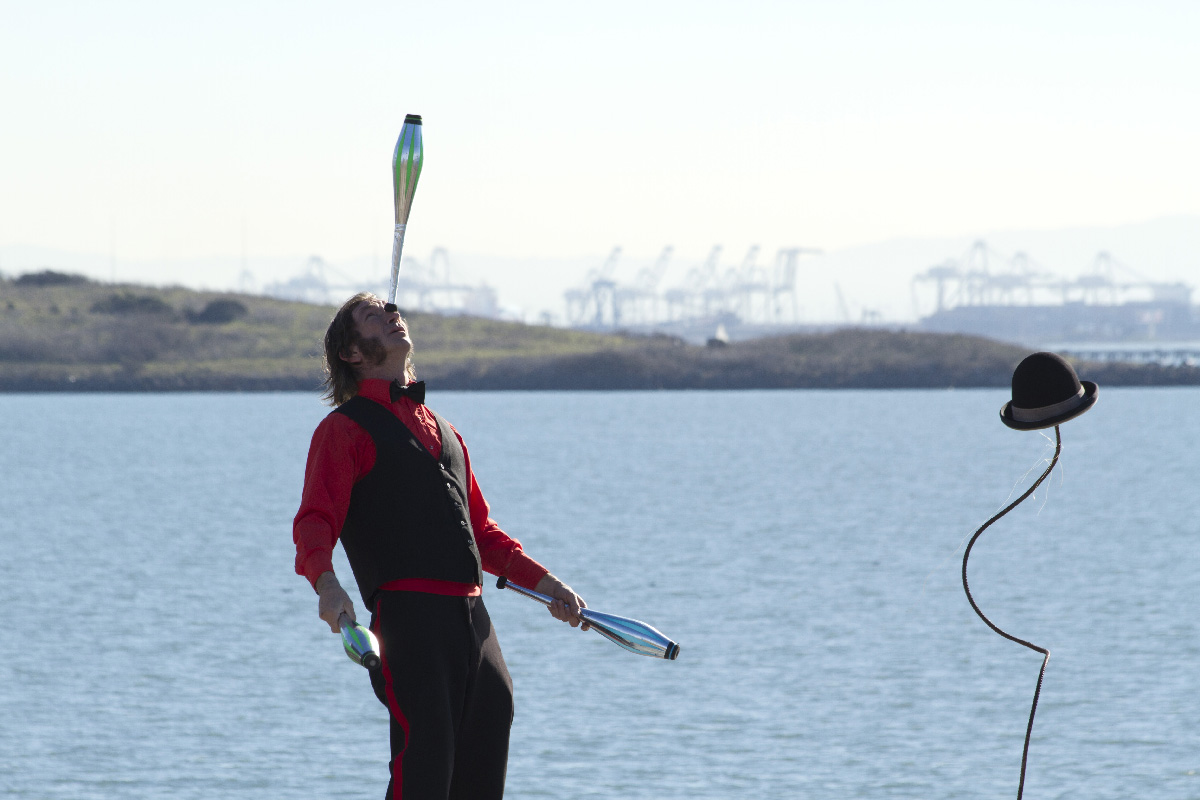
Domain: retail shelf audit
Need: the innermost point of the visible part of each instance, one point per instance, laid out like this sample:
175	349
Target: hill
62	332
65	332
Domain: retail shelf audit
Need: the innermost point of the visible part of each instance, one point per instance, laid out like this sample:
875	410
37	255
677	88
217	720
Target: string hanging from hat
952	553
966	587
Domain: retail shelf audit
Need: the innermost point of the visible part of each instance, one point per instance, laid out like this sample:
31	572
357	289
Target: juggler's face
384	335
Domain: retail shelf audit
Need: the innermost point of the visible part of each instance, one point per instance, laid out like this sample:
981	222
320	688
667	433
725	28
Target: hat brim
1090	391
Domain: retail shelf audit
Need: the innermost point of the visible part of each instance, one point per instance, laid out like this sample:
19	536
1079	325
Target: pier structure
595	305
1014	298
423	285
747	293
318	282
1171	354
984	277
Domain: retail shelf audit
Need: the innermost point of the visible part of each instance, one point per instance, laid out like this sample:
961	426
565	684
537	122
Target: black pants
447	689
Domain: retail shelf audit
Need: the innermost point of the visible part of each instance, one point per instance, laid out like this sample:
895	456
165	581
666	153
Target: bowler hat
1046	392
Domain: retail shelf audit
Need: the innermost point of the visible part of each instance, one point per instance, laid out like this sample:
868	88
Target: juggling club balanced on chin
407	159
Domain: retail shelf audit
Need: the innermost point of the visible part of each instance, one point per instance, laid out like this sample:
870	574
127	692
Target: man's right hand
333	601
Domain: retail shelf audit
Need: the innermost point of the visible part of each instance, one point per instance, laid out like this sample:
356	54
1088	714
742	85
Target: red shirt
342	452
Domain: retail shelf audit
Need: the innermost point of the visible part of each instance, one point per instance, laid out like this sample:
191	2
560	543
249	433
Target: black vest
408	516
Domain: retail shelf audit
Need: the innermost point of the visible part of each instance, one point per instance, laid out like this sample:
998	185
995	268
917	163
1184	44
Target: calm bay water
803	547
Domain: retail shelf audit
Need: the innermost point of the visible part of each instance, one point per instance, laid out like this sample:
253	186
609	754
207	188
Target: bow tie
414	391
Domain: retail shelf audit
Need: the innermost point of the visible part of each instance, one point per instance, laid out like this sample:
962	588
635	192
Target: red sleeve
341	452
500	553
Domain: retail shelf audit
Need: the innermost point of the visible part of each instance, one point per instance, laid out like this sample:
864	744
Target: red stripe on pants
449	695
393	707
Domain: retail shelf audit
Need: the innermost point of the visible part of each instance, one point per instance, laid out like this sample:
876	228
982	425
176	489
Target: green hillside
65	333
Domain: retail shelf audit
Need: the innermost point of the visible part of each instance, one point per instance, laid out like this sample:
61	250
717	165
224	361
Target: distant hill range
63	332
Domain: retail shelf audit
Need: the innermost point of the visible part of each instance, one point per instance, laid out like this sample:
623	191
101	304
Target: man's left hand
566	603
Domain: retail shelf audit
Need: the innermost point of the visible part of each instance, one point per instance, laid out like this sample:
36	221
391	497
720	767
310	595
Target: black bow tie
414	391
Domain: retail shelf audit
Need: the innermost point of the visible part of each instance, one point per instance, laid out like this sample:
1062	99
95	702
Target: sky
172	143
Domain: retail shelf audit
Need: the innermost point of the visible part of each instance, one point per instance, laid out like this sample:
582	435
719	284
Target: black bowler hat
1046	392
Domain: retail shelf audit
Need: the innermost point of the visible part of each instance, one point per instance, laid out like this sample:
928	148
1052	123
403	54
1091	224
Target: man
393	481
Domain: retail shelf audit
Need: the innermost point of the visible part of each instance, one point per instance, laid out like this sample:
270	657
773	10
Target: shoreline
555	377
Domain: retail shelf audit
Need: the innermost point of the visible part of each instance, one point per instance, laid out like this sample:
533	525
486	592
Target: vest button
443	466
463	523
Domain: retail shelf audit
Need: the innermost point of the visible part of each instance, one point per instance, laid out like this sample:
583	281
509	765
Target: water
803	547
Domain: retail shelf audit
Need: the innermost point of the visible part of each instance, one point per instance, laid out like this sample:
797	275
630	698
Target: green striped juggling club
406	171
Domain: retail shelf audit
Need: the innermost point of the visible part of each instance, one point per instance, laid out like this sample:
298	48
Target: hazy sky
556	129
